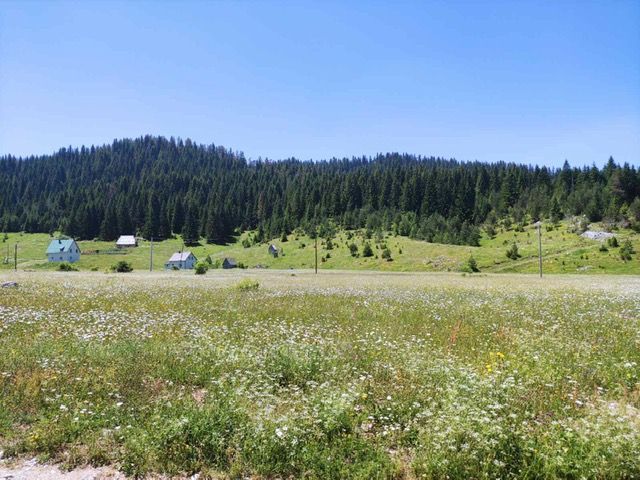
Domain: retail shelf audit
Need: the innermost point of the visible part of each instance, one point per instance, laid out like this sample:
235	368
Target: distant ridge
157	187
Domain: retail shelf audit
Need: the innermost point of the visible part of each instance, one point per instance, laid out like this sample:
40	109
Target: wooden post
539	225
316	251
15	258
151	257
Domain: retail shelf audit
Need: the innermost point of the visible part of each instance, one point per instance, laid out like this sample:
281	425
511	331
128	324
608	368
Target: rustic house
63	250
273	250
181	261
229	263
127	241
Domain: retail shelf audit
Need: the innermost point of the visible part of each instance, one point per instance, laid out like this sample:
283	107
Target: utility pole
539	227
151	257
316	251
15	258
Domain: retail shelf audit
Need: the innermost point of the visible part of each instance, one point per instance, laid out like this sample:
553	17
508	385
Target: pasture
563	252
339	375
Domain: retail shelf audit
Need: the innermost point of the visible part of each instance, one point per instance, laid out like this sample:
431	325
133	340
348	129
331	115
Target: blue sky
531	82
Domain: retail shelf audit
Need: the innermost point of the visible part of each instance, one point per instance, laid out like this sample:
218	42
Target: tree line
158	187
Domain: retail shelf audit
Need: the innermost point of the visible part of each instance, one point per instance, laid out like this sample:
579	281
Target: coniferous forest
158	187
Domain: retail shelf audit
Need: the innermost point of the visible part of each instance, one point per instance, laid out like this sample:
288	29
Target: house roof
231	261
272	247
126	240
60	245
180	256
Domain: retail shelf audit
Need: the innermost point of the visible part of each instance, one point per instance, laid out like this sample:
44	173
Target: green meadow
563	252
340	375
403	369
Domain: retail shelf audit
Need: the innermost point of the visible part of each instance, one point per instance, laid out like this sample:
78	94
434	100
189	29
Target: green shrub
201	268
386	254
626	250
67	267
472	264
367	251
512	252
122	267
353	248
247	285
613	242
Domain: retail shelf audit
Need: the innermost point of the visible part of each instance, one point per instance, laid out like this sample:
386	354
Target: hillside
563	252
158	188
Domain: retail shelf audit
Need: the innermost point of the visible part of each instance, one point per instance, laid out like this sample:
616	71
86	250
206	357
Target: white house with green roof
63	250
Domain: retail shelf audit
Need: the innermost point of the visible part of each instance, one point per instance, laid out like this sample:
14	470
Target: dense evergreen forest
159	187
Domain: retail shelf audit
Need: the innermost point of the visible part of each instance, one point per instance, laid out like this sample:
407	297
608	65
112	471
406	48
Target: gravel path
31	470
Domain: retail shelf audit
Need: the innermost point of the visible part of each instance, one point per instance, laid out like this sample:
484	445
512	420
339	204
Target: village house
181	261
127	241
63	250
273	250
229	263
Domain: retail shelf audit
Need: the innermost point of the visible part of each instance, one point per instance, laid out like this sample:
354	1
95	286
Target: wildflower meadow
331	376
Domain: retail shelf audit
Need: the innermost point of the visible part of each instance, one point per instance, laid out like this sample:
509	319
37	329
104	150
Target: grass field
563	252
340	375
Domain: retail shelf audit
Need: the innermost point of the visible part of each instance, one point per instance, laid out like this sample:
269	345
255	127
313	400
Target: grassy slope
564	252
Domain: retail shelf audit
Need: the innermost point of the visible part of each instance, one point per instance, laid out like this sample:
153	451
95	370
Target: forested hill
159	187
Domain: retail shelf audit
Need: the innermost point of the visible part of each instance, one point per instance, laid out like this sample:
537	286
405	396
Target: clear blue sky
532	82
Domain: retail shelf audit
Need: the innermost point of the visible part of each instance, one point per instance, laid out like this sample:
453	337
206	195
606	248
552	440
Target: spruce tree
109	227
556	211
125	227
152	220
164	227
191	228
177	221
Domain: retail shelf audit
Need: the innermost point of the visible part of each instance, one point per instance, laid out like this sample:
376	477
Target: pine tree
109	227
164	227
512	252
191	228
177	221
556	211
125	227
152	220
214	228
